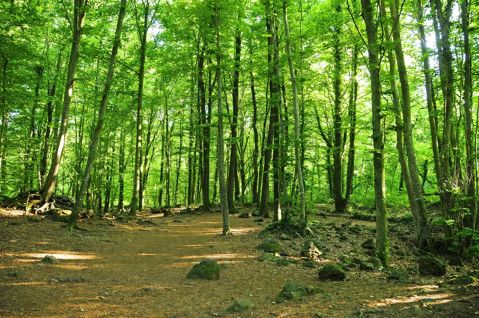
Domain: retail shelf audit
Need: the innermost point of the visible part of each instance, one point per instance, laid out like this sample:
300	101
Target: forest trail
138	269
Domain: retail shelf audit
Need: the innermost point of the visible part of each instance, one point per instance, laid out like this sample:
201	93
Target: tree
220	142
77	25
95	138
374	65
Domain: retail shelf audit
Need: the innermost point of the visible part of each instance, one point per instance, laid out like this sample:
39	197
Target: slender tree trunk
48	129
3	128
339	202
142	32
255	134
442	15
78	19
422	230
353	97
121	172
297	135
220	150
233	166
470	153
178	165
378	133
430	98
95	138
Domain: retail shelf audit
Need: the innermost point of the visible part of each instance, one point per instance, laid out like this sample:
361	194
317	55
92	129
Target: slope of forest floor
138	269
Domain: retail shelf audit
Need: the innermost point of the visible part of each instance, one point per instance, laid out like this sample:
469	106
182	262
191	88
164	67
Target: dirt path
139	270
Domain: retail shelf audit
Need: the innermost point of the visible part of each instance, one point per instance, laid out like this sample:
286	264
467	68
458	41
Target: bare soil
138	269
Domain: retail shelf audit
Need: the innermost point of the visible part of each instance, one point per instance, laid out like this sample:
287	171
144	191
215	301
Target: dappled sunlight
218	256
431	298
61	255
425	288
26	284
242	230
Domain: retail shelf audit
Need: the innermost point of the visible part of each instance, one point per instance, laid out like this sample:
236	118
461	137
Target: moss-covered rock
331	272
396	274
294	291
206	269
240	305
268	257
49	260
432	266
270	245
369	244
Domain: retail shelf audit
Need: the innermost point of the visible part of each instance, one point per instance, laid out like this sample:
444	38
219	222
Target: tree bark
220	145
78	19
378	133
297	135
95	138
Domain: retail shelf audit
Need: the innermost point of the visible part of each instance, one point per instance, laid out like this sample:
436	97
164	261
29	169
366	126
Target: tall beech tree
77	25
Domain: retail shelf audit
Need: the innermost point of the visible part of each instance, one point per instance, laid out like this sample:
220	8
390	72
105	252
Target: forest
321	154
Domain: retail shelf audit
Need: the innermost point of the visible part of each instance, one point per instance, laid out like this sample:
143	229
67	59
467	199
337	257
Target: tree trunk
233	166
220	150
422	230
297	135
78	18
378	133
339	202
255	187
470	153
142	32
353	97
95	138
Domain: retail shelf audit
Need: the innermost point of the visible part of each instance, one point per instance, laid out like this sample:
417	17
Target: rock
268	257
369	244
310	251
244	215
294	291
49	260
206	269
68	280
270	245
240	305
284	237
432	266
331	272
398	275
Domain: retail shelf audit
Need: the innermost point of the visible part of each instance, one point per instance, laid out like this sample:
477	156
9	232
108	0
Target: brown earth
138	269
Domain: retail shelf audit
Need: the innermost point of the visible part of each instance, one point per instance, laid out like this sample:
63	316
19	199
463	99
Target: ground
138	269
